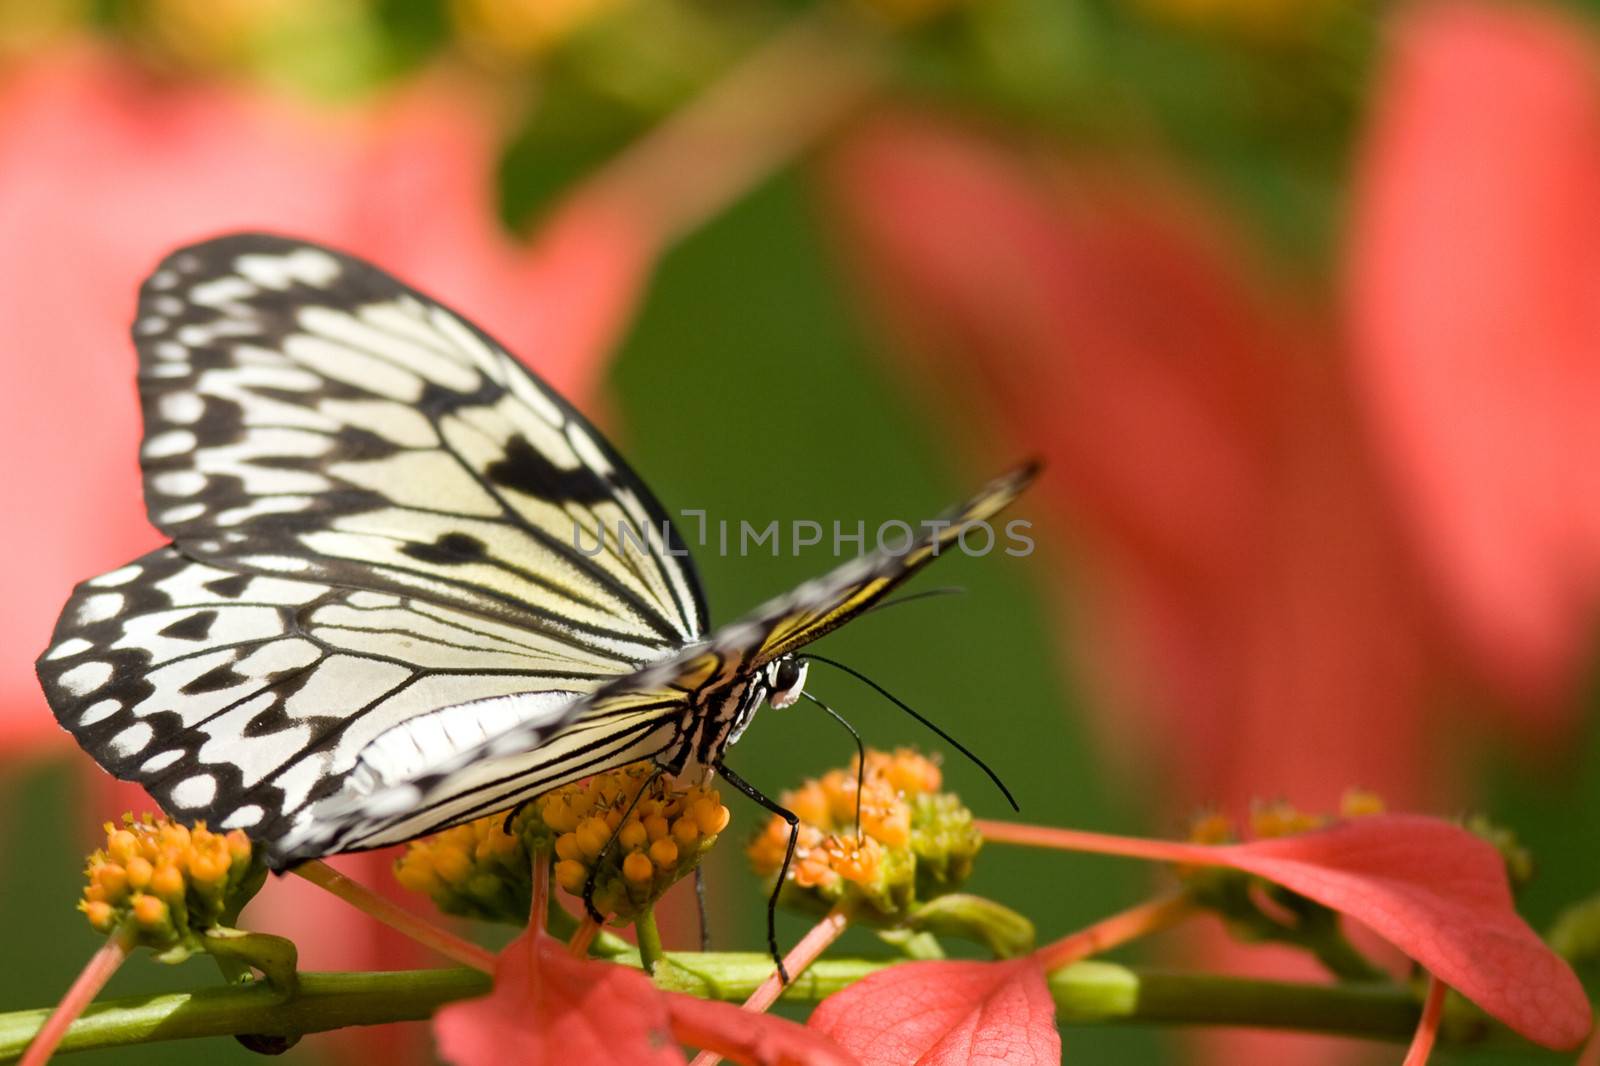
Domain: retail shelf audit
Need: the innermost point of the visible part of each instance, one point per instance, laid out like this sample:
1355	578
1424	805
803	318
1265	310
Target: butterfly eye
787	678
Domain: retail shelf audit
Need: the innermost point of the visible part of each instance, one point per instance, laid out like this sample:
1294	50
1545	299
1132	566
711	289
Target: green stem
650	949
1085	993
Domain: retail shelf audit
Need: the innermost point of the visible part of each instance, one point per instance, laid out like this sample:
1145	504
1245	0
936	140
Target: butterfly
409	584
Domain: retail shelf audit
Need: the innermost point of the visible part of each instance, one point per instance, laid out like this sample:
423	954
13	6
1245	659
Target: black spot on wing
230	587
527	470
214	680
451	549
196	626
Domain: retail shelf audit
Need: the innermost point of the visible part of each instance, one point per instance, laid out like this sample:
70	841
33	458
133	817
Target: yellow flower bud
452	864
139	872
101	916
167	882
664	853
637	868
567	846
112	881
710	815
633	836
122	846
593	833
571	875
1360	802
685	832
150	912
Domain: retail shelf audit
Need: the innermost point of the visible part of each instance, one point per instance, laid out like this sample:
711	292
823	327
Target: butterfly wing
307	414
384	802
378	514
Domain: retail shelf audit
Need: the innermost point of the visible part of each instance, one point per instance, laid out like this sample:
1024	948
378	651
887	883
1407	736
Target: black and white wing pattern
390	801
376	514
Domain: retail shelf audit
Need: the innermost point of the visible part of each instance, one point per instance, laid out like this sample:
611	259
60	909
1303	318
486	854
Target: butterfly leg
700	907
788	856
611	841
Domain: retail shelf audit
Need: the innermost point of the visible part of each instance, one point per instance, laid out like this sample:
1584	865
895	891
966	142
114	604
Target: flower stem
799	958
1590	1056
1085	993
796	963
579	944
1428	1027
396	917
650	949
96	972
781	98
1148	917
1044	836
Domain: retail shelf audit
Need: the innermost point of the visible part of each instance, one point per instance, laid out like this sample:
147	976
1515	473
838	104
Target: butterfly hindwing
242	698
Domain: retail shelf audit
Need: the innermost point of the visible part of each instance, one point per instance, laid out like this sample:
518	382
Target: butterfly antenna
904	706
913	597
861	754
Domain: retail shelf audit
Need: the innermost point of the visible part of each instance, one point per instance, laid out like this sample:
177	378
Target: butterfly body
409	584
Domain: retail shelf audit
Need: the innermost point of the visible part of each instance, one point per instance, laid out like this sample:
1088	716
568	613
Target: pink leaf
559	1009
934	1013
1440	894
1434	890
556	1008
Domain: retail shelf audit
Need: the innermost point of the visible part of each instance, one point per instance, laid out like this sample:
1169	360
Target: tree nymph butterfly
374	619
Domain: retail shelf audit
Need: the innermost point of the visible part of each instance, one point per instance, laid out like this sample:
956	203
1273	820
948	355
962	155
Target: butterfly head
786	680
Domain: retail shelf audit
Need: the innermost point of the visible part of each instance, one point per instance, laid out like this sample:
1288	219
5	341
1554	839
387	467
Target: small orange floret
633	836
592	836
167	882
150	912
571	875
685	832
100	915
664	853
1360	802
122	846
567	847
139	872
1212	828
638	868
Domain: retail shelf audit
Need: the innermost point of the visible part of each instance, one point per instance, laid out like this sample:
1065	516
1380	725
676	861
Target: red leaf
1438	893
749	1036
1471	288
562	1010
932	1013
555	1008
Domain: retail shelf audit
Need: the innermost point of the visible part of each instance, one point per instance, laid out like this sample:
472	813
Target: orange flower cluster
913	840
166	881
476	870
482	871
1280	819
662	838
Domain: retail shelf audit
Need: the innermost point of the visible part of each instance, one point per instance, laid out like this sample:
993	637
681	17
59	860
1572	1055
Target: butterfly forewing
377	516
307	414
